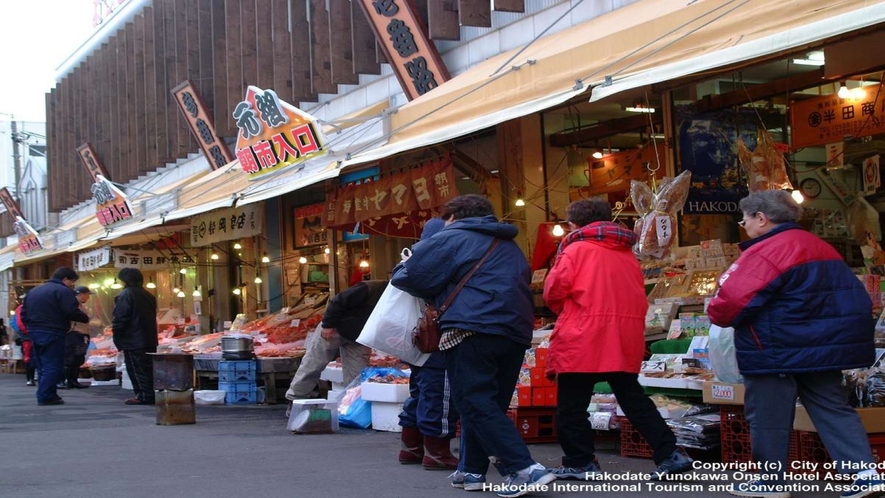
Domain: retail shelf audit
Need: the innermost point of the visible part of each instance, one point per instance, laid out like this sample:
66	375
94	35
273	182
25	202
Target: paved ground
95	446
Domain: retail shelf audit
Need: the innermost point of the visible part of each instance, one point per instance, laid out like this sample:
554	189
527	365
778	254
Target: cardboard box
524	396
539	396
551	396
721	393
873	419
539	377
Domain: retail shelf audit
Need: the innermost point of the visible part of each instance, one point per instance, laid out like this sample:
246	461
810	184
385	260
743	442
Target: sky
36	36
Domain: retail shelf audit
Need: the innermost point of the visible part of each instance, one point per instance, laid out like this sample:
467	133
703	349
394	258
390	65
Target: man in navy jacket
47	313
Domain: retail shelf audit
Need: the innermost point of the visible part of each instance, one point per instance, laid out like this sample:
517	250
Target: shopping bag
723	356
389	327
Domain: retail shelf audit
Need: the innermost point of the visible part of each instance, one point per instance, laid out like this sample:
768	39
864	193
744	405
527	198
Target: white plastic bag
723	356
389	328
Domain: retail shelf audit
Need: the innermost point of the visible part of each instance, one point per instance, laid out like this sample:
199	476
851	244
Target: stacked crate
237	380
534	405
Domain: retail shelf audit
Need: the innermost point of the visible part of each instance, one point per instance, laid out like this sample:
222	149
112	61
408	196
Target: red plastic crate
535	424
632	442
735	436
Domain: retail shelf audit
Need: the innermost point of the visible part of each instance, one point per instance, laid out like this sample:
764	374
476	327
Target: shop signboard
401	34
395	204
90	260
309	228
830	119
274	135
202	125
226	224
111	204
28	239
149	260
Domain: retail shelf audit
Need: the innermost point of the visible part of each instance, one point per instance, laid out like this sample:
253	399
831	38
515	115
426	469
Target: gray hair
778	205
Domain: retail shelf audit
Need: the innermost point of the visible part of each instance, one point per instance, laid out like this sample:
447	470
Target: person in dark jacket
485	333
76	343
342	323
429	417
47	314
800	317
134	324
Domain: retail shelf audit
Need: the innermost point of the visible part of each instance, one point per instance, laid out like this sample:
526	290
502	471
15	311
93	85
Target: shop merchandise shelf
236	371
535	424
239	393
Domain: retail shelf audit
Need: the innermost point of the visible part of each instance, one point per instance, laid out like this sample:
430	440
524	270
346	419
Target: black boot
73	373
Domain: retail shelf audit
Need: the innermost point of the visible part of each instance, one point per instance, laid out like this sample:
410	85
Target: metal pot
236	347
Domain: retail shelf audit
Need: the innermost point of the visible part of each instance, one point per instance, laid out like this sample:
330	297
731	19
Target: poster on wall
707	148
309	228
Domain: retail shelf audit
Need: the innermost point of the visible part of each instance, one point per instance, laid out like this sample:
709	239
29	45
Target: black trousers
140	367
574	431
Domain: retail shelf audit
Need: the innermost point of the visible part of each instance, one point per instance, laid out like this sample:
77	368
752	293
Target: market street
94	445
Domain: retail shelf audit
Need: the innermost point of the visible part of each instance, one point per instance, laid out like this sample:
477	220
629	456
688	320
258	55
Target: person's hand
327	333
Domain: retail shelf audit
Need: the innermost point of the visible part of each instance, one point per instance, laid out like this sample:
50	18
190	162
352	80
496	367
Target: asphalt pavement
95	446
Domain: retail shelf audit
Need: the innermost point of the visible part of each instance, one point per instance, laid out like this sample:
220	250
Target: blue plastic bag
353	410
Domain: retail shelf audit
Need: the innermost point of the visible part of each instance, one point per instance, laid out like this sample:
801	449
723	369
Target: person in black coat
76	344
134	324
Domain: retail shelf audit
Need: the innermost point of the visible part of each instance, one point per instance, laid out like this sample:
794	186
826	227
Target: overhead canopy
631	40
216	190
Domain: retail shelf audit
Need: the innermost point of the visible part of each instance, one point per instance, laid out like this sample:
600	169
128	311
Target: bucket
175	407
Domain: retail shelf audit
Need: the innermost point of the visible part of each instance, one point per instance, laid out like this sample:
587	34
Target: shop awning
7	257
216	190
627	41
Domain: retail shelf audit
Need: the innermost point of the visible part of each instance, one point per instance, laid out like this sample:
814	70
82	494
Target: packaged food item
657	221
765	167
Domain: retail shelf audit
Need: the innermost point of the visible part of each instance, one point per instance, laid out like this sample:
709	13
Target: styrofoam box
385	392
335	394
385	416
332	373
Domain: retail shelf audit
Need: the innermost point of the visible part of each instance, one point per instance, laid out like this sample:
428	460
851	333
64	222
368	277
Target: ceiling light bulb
237	291
798	197
94	286
151	285
265	259
519	202
326	250
558	231
238	246
364	264
857	93
197	293
180	293
109	281
302	260
258	280
116	285
213	256
597	155
182	271
843	92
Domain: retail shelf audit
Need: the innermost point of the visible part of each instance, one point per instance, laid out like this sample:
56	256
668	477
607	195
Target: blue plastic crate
237	371
239	393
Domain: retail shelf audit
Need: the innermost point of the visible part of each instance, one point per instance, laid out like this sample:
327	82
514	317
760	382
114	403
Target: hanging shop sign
309	228
274	135
226	224
111	204
401	34
613	173
149	260
202	126
871	178
387	204
28	239
90	260
829	119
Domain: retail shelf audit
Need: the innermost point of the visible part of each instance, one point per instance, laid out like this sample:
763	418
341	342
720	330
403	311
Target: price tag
309	301
601	420
295	322
720	391
664	227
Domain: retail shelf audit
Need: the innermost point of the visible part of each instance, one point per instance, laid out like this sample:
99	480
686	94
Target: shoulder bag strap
464	280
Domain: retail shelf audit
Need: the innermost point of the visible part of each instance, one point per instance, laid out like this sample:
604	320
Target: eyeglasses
743	223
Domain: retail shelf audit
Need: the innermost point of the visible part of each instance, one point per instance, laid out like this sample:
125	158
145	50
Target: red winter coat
598	291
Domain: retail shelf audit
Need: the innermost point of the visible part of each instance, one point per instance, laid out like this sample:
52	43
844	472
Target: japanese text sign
226	224
202	126
111	204
401	34
93	166
149	260
273	135
28	240
829	119
309	229
90	260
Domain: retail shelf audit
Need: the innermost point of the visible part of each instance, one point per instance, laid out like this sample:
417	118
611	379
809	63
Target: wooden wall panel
476	13
248	49
341	44
218	47
69	147
192	66
364	60
228	81
174	57
321	57
282	51
152	111
205	79
264	34
140	104
160	89
123	91
51	125
113	153
100	140
509	5
442	20
301	82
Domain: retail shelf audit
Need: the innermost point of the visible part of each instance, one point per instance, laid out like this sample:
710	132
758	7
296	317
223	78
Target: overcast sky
35	37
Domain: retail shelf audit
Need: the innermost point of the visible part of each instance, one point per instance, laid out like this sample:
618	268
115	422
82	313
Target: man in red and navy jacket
800	317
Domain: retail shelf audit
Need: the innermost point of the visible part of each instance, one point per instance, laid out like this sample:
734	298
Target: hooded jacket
349	310
51	307
795	306
134	319
597	289
496	300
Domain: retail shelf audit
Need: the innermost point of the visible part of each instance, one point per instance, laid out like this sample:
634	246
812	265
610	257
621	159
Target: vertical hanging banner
202	125
28	239
111	204
412	55
274	135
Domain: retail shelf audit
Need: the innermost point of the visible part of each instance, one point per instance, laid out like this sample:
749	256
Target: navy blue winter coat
496	300
51	307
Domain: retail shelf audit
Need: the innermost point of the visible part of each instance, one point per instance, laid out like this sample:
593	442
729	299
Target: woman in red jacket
597	289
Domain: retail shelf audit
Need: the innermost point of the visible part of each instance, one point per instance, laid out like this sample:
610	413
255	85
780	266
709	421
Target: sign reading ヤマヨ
273	134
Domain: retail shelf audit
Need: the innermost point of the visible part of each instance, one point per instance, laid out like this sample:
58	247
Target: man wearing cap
76	343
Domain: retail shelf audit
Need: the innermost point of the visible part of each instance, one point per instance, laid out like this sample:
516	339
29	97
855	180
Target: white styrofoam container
313	416
335	394
385	416
209	397
385	393
333	373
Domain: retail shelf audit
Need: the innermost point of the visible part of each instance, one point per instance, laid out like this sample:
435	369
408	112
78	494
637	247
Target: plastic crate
535	424
735	436
207	362
236	371
239	393
632	442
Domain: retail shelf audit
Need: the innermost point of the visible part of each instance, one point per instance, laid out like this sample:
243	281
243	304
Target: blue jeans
49	353
770	404
483	370
429	406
